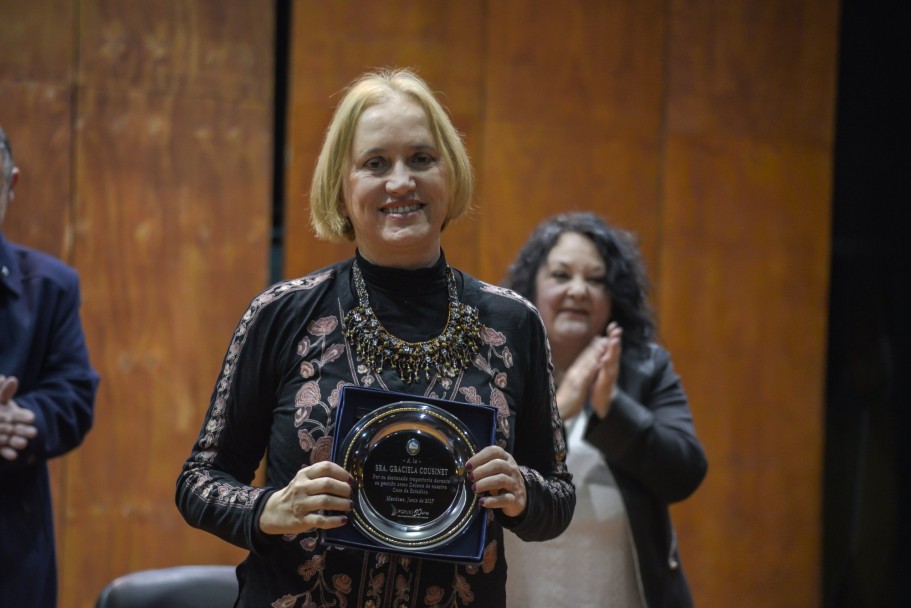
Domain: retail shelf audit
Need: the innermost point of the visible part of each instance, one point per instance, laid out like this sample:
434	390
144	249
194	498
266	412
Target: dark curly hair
627	281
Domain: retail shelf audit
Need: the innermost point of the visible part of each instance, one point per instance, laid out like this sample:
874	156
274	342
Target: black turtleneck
411	304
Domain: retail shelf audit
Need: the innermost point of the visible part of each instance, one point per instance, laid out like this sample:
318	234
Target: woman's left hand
495	476
604	388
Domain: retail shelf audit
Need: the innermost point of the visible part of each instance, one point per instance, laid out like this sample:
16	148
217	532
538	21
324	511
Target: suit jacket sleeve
58	384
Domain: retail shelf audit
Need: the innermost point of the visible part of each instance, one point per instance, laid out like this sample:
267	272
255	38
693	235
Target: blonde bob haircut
334	162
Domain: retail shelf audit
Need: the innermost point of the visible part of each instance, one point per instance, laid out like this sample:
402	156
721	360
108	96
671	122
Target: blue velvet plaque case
479	420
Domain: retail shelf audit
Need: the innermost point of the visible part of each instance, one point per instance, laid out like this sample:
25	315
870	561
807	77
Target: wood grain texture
215	49
573	119
171	173
178	188
36	69
36	37
744	280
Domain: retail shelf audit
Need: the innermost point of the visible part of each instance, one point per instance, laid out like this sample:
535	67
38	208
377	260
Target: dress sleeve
540	446
63	397
649	434
214	491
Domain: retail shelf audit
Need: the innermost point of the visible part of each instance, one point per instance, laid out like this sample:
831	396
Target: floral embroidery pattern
198	478
496	353
323	593
316	354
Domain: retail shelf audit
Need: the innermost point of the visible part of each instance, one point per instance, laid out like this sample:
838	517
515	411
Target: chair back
212	586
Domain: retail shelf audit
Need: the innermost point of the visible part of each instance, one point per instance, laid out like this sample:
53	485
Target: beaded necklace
447	354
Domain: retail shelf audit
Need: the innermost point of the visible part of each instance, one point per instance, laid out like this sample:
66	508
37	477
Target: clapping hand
16	423
604	387
592	376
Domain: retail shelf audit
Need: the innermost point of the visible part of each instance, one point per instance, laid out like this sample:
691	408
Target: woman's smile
402	209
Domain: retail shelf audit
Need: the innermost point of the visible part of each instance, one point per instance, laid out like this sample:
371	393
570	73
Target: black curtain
866	538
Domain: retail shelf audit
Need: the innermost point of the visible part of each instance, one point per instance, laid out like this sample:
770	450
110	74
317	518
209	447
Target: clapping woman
632	449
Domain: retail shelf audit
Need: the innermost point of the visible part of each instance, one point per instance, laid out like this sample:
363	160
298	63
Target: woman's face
571	291
396	193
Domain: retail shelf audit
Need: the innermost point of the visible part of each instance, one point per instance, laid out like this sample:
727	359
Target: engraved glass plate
408	462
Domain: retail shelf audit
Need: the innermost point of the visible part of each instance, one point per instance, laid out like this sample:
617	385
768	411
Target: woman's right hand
299	506
577	381
593	374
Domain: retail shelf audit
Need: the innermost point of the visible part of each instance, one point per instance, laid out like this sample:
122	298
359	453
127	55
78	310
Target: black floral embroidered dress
276	393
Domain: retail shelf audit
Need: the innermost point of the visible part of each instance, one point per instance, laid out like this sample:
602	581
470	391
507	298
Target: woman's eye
422	159
559	275
375	164
599	281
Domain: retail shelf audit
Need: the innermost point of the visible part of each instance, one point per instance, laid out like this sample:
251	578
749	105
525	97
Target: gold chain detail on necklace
447	354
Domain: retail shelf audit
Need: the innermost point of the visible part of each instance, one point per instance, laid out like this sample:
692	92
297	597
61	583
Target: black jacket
649	442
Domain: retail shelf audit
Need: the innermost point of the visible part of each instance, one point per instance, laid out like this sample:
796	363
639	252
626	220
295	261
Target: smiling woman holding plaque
395	319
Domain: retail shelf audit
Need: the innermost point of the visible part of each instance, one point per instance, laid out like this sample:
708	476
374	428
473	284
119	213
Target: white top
592	564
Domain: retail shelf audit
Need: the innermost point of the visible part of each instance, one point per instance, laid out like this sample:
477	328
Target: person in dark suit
47	396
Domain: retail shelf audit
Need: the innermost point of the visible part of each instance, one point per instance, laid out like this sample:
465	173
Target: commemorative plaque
407	455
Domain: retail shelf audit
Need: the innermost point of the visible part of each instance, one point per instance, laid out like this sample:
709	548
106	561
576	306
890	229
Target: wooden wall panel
573	117
171	178
35	75
215	49
333	43
158	183
744	279
37	40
